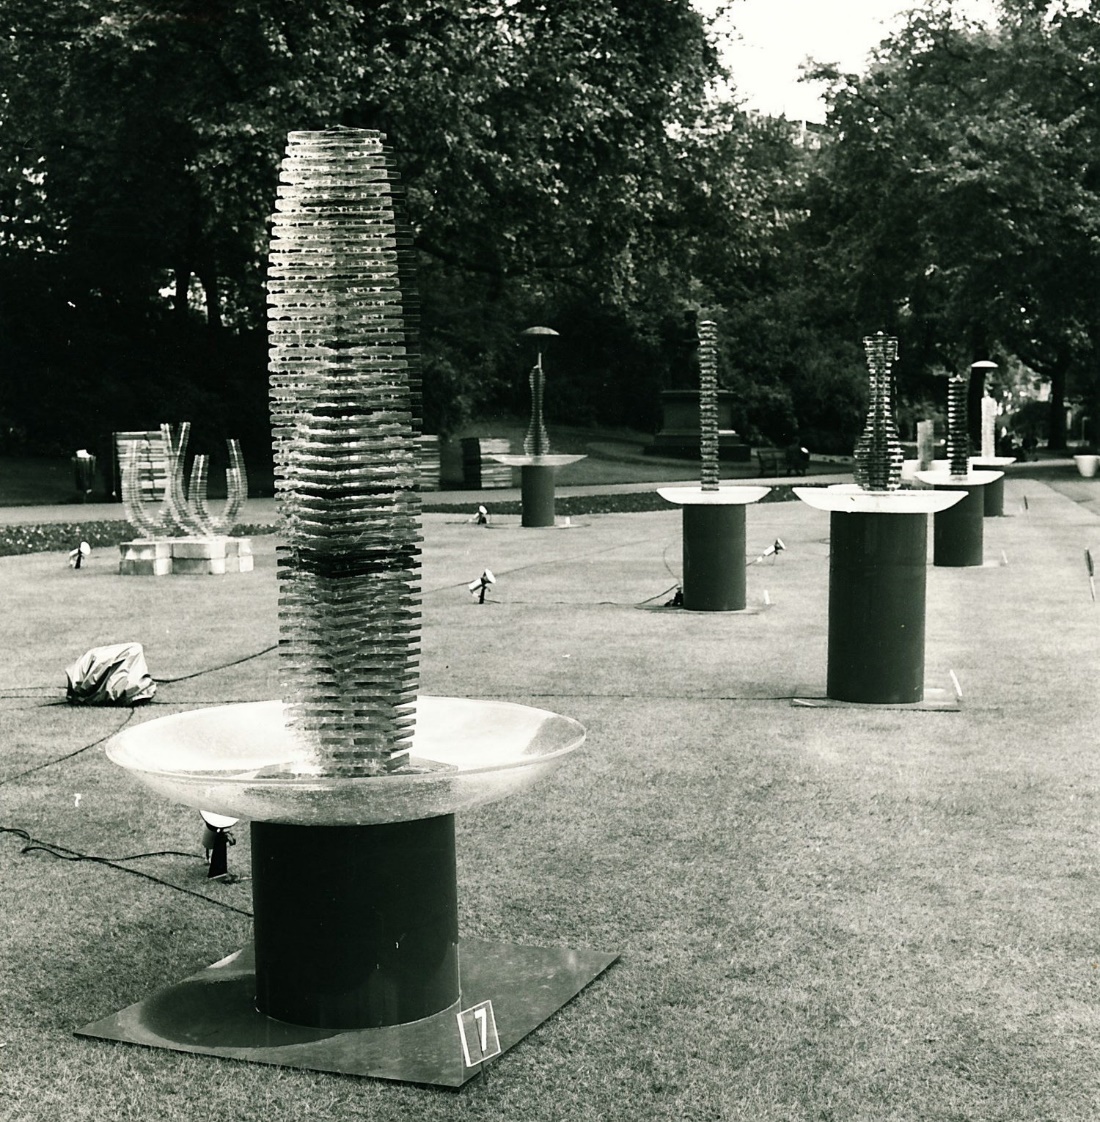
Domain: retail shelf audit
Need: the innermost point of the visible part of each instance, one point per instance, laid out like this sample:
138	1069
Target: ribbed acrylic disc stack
344	396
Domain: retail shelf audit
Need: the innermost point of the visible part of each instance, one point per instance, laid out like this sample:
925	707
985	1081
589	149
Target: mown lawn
823	914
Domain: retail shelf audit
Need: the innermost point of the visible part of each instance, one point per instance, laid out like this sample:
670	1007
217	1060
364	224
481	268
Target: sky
775	36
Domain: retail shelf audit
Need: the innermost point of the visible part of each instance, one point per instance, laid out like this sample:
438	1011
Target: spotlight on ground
216	840
480	586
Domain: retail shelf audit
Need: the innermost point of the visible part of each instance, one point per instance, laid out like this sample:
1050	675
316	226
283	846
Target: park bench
777	461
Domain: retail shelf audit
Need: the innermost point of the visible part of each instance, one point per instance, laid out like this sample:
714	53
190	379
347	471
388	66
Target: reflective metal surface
518	460
247	761
724	496
214	1013
851	498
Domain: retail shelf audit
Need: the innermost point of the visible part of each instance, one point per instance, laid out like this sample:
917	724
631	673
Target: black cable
223	666
63	853
69	755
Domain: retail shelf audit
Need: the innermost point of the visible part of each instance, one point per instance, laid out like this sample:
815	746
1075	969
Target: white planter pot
1087	465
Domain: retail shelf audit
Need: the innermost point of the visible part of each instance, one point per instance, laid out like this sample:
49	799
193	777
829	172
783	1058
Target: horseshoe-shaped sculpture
182	512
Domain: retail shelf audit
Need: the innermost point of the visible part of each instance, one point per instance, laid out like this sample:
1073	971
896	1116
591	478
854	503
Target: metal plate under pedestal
213	1013
935	699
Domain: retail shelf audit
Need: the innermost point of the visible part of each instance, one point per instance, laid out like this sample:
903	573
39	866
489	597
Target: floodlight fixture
480	586
216	840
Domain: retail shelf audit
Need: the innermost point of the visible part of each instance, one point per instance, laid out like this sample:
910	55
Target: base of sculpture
958	537
713	545
177	556
536	474
933	699
878	554
995	491
214	1013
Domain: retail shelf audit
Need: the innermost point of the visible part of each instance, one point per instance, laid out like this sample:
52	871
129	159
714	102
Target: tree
553	153
960	191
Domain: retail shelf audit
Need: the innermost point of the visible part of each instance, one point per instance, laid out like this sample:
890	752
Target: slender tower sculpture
344	386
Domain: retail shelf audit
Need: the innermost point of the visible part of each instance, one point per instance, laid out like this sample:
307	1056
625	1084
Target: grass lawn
824	915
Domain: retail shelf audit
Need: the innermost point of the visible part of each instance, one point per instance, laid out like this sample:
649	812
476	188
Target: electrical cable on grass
69	755
222	666
63	853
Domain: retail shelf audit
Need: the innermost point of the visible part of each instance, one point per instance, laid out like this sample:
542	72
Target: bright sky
776	36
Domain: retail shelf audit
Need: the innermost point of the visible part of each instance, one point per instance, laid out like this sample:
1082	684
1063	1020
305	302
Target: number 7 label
477	1028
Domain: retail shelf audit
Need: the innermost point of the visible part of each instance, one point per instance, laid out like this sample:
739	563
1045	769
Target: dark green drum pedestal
537	494
355	926
993	505
958	536
714	557
877	570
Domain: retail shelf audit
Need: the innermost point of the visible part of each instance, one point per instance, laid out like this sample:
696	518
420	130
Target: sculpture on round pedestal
878	455
351	779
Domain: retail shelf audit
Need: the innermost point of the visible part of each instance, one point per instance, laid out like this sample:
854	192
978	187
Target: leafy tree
960	191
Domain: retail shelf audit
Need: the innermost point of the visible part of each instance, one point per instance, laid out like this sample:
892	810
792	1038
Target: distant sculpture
708	405
990	409
958	435
183	512
537	441
878	455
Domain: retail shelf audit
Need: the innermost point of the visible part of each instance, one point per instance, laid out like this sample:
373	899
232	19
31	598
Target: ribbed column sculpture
708	405
344	395
958	435
878	455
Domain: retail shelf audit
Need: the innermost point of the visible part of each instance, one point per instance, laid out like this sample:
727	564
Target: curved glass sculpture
344	383
536	441
708	405
183	512
878	456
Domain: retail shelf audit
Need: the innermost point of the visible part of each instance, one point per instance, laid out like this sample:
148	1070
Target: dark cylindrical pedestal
537	495
355	926
714	557
877	567
993	504
957	532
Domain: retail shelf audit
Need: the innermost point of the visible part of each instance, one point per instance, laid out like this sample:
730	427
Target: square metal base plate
213	1013
935	699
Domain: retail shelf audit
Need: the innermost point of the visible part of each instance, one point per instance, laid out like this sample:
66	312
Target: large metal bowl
244	761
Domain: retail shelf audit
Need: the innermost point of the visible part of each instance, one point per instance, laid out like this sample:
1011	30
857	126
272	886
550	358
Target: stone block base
171	556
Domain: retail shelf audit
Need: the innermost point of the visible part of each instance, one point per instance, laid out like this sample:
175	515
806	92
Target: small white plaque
477	1027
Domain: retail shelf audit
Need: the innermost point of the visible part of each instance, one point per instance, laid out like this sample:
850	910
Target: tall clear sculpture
344	377
708	405
878	455
958	423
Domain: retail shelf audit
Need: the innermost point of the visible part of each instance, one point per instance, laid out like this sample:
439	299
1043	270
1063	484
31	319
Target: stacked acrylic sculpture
180	533
958	535
877	559
713	550
537	466
351	779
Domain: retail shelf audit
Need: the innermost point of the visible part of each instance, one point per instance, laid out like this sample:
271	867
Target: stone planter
1087	465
